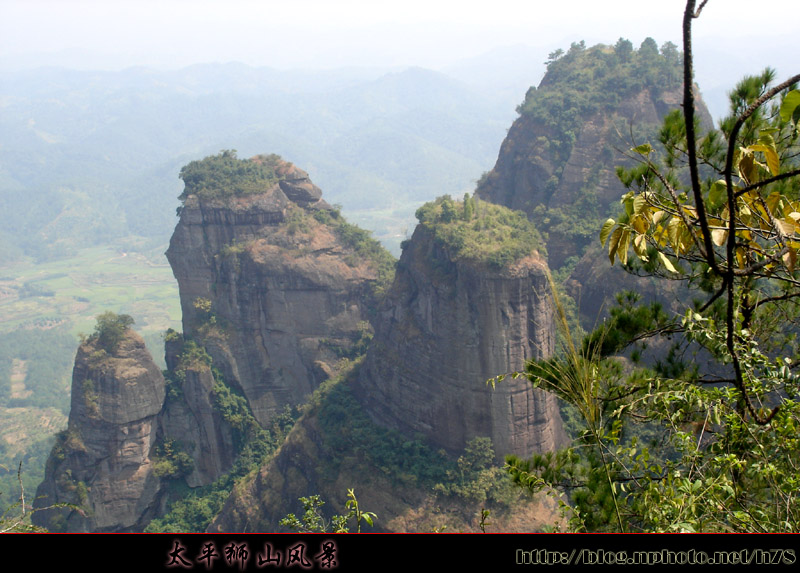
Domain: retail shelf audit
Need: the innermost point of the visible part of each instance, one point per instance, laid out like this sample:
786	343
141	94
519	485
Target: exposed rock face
103	460
528	173
282	296
192	420
529	177
445	329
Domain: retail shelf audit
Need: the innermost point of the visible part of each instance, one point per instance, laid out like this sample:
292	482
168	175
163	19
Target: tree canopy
224	175
719	211
110	330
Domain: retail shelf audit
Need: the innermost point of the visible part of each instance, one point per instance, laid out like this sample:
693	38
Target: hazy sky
113	34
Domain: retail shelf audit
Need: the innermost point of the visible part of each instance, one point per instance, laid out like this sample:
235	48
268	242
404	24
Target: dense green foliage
587	80
351	436
314	522
349	433
477	477
718	211
193	510
480	232
170	461
224	175
365	247
110	330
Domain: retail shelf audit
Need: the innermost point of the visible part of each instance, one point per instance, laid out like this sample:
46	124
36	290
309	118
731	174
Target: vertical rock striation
449	325
103	461
288	297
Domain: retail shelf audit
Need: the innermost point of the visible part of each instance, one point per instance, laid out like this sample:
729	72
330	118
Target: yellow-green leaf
643	149
717	195
639	203
640	223
673	231
624	241
667	263
613	243
604	232
770	153
790	104
640	247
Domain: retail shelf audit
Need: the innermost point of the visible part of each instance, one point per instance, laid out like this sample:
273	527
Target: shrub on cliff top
480	232
110	330
224	174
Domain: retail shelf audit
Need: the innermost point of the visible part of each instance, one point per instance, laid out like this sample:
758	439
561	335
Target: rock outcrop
454	317
448	326
272	292
558	162
103	461
191	419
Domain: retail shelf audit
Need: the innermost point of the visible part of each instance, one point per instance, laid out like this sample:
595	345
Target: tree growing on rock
110	330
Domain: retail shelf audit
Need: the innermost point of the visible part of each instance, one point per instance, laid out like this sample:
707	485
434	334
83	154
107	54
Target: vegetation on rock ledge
224	175
479	231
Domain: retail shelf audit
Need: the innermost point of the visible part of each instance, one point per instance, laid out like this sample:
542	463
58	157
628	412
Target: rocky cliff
273	284
449	323
470	300
103	462
190	418
558	162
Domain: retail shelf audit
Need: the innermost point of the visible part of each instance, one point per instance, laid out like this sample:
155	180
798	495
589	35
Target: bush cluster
479	231
224	175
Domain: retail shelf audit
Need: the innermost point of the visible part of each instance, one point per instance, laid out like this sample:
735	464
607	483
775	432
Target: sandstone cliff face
192	420
584	188
283	299
528	173
446	328
103	460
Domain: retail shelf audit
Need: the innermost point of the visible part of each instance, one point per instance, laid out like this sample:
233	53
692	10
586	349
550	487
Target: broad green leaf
643	149
746	165
718	194
673	230
604	232
771	155
790	103
640	223
740	257
775	202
